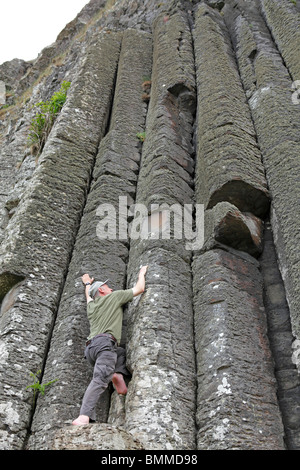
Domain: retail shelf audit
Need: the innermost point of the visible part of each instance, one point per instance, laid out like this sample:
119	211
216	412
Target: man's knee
103	374
105	366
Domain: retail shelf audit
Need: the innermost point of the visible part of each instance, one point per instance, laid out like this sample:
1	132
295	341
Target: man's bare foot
119	384
81	420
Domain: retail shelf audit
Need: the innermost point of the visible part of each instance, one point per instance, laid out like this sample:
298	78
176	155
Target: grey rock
2	93
213	343
277	121
227	225
228	159
95	437
235	368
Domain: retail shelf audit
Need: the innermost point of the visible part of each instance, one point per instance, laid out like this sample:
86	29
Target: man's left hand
86	278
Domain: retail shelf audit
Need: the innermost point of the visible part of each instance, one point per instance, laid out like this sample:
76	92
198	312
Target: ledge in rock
98	436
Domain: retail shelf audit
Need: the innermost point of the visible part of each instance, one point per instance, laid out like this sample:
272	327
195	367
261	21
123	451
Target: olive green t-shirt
105	314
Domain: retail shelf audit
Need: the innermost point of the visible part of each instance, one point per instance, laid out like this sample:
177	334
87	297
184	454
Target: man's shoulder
95	302
122	293
122	296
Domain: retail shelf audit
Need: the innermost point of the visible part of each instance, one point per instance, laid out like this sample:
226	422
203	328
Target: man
105	315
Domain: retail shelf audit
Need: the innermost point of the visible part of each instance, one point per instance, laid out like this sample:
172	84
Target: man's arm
86	278
140	285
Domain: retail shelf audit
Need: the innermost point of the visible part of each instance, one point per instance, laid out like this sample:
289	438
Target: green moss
44	118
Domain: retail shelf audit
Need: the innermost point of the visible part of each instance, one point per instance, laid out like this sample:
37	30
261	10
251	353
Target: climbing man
105	315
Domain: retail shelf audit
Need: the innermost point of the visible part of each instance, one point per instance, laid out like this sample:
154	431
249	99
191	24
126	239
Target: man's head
99	289
104	290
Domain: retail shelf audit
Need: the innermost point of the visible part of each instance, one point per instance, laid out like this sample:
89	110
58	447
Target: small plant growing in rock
37	386
44	118
141	136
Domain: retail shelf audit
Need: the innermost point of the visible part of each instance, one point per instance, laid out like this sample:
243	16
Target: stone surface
237	404
281	339
95	437
172	103
12	71
2	93
161	394
42	234
166	172
283	20
227	225
229	166
106	257
277	122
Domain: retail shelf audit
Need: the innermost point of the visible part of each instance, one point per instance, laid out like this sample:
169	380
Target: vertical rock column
283	20
281	339
160	403
114	176
40	236
236	402
276	117
229	166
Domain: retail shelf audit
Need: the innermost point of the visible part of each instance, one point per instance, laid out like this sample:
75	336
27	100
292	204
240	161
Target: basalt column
160	404
283	21
114	176
40	236
276	116
281	339
176	108
229	166
236	396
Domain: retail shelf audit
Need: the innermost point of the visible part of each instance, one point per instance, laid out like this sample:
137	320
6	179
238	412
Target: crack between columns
191	21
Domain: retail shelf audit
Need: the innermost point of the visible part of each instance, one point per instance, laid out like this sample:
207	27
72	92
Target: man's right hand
140	285
143	270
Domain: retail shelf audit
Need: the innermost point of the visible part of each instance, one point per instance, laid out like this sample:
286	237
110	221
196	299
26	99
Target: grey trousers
106	358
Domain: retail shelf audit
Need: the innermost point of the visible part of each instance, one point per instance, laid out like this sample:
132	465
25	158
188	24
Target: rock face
176	110
95	437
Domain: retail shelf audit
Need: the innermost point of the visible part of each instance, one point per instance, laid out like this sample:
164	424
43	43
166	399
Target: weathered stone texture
213	344
281	339
97	437
283	19
2	93
234	362
41	233
229	163
102	258
225	224
161	395
277	123
167	150
237	404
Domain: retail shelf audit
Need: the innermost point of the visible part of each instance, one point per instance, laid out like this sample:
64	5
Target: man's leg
121	362
120	371
103	352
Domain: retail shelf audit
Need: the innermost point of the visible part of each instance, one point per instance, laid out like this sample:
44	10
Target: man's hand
140	285
86	278
143	270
